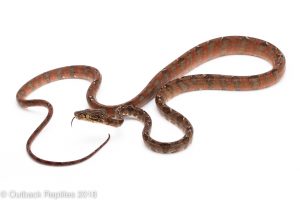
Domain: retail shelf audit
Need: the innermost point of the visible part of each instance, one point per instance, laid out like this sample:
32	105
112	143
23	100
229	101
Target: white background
246	144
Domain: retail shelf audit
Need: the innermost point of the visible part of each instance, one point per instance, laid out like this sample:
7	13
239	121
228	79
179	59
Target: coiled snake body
166	84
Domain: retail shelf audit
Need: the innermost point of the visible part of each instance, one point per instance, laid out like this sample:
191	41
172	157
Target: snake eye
81	116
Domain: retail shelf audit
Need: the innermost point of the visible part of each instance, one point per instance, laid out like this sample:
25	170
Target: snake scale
166	84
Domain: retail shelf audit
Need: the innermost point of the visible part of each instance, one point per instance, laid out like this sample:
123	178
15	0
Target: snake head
97	115
91	115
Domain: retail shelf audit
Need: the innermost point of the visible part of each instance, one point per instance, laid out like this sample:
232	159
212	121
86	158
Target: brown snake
166	84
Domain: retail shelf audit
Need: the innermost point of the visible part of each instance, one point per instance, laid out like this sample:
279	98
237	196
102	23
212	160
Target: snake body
166	84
